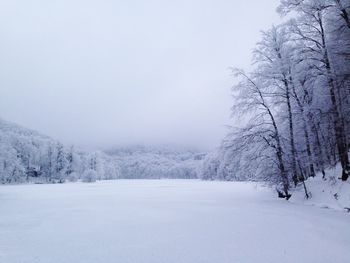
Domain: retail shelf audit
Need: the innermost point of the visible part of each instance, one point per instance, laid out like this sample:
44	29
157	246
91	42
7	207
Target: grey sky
99	73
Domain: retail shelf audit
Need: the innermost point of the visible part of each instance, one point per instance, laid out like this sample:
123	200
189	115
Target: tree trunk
306	135
340	135
318	147
295	176
339	130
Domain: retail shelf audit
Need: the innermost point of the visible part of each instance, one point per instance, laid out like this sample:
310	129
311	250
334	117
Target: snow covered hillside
172	221
328	192
28	156
137	162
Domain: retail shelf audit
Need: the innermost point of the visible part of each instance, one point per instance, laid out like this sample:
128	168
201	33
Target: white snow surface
330	192
165	221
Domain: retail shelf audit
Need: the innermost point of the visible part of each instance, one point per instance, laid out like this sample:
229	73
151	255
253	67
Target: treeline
141	162
294	103
27	156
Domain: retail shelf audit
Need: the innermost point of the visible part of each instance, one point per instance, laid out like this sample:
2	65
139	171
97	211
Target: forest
27	156
294	103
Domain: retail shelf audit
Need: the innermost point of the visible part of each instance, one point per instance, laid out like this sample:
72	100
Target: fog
104	73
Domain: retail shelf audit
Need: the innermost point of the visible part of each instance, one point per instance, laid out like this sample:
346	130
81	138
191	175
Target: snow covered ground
330	193
165	221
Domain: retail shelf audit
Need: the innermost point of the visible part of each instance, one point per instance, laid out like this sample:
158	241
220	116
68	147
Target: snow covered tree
260	139
295	102
313	28
89	176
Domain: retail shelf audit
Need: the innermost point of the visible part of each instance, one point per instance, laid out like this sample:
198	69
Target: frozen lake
165	221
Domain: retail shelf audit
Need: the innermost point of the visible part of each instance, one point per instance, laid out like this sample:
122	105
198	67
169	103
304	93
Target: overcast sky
111	72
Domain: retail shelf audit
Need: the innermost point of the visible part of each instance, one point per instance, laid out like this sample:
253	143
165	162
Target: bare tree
262	128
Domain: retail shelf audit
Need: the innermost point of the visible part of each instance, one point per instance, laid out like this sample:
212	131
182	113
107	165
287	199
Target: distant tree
89	176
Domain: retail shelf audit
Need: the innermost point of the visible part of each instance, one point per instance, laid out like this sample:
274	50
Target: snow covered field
165	221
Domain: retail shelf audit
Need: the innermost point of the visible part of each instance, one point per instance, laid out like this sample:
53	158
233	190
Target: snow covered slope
165	221
329	192
28	156
141	162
